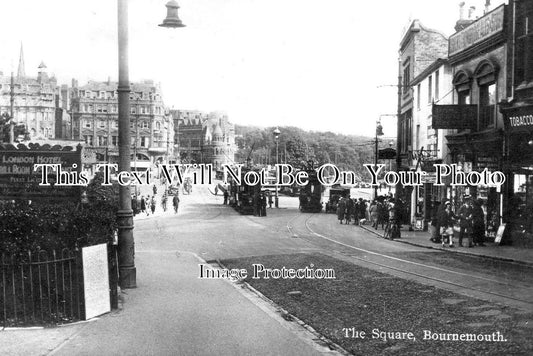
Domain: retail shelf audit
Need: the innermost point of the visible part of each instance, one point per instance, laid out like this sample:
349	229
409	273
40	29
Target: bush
54	226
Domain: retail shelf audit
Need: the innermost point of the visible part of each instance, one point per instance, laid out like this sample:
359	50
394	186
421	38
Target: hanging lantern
172	20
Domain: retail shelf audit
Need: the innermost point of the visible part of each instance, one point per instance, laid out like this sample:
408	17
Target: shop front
518	120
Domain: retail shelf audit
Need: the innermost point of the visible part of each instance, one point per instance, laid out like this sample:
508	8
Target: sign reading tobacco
20	180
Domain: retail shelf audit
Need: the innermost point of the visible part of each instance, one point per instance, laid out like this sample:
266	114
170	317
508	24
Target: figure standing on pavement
374	213
152	204
446	219
164	202
154	189
176	203
226	197
466	217
270	201
134	206
143	205
478	229
341	209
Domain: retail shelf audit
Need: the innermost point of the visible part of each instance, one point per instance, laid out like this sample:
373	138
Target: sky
319	65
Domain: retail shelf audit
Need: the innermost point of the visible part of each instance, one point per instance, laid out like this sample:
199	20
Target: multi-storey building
429	145
33	100
517	109
94	110
419	48
204	138
477	54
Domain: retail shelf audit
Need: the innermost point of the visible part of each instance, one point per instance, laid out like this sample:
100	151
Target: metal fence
41	288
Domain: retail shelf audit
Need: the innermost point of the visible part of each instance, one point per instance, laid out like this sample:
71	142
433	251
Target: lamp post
379	132
276	134
126	244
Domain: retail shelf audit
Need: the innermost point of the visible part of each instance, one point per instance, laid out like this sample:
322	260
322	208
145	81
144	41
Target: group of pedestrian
469	221
148	204
348	208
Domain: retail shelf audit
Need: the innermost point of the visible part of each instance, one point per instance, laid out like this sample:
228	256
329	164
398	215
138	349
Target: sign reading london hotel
481	29
19	179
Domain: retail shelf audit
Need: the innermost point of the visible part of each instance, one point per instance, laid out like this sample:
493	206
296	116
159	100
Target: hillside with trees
297	146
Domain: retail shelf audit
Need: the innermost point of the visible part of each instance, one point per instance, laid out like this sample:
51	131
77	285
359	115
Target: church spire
21	72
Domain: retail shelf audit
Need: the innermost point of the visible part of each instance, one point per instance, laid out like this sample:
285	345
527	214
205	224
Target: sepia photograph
247	177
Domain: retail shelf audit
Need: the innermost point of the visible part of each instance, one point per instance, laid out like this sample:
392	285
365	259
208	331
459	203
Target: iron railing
41	288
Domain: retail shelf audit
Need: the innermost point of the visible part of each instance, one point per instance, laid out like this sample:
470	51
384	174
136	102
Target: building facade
204	137
33	100
429	145
517	110
419	48
94	111
478	57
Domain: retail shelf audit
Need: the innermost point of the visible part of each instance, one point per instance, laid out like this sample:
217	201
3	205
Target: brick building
204	138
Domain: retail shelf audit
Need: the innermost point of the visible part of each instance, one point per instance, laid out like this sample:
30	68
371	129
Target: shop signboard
519	119
96	281
487	26
20	180
454	116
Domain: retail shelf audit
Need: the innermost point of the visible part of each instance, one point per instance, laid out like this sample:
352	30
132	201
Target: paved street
172	312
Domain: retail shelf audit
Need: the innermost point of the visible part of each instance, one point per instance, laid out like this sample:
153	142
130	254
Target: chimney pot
471	11
461	10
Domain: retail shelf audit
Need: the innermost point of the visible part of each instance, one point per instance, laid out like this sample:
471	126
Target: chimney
487	6
471	12
462	10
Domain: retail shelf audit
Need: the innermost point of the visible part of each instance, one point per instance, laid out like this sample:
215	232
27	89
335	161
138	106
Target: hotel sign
481	29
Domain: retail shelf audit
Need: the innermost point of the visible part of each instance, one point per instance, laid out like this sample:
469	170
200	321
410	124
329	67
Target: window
158	126
144	141
132	110
524	44
430	89
102	141
418	96
101	124
114	140
90	108
437	85
88	124
88	140
487	105
463	97
406	78
145	125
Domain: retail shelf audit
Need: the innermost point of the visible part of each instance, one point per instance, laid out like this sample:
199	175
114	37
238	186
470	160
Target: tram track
406	271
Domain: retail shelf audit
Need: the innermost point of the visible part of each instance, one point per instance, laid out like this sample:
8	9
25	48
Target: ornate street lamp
276	134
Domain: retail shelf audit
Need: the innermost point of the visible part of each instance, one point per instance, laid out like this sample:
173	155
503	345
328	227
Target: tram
243	197
311	194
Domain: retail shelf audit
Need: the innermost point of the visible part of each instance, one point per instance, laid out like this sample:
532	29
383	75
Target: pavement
490	250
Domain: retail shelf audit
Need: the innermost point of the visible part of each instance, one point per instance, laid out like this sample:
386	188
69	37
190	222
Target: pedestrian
349	210
466	217
134	207
270	201
154	189
263	205
226	195
446	221
435	227
374	213
341	209
176	203
143	205
478	228
164	202
152	204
